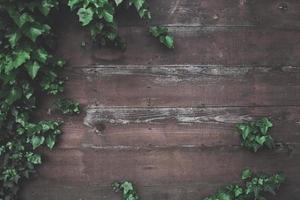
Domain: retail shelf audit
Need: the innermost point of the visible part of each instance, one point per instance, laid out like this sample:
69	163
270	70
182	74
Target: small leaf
32	69
246	174
14	95
108	16
42	55
260	140
50	141
264	124
21	58
14	38
47	5
72	3
37	141
35	31
118	2
169	41
138	3
85	15
34	158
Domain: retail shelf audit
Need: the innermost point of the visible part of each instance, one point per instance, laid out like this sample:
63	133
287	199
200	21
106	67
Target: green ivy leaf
14	38
138	3
260	140
118	2
72	3
163	35
85	15
108	16
42	55
50	141
32	69
35	31
37	141
246	174
18	59
245	130
34	158
14	95
47	5
264	124
168	41
20	20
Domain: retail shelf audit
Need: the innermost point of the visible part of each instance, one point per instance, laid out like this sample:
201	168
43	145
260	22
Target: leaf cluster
254	187
67	106
100	18
27	70
255	135
128	190
162	33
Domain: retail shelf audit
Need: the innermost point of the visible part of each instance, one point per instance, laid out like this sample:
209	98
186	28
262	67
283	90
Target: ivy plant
255	135
254	187
162	33
28	71
67	106
100	18
127	188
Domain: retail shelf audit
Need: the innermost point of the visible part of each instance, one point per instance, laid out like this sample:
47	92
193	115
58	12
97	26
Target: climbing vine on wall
28	70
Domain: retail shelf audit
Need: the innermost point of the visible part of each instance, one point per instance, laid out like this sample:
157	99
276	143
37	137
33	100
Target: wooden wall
165	119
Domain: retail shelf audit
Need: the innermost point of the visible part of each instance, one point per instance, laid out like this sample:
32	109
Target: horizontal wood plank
267	13
194	45
173	191
184	85
89	166
159	128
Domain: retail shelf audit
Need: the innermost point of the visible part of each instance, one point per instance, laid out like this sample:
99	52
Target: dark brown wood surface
165	119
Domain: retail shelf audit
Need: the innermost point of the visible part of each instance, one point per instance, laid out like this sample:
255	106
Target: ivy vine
127	189
254	187
255	135
28	70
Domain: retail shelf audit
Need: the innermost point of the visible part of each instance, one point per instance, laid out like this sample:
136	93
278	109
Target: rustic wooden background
165	119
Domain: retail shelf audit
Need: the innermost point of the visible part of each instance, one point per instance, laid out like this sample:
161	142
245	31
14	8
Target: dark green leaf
32	69
14	95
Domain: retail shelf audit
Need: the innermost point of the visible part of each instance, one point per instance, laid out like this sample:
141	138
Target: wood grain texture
166	119
194	45
162	127
172	191
148	167
184	85
271	13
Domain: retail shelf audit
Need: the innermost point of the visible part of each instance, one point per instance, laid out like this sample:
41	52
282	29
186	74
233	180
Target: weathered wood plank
51	190
268	13
159	136
213	115
158	128
187	85
194	45
162	166
210	167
